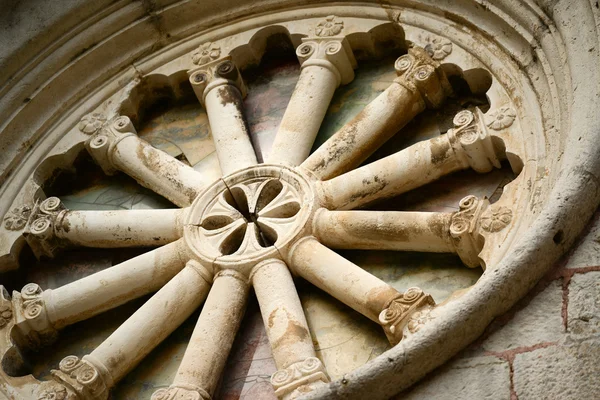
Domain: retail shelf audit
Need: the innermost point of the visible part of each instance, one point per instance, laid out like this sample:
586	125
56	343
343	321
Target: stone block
539	322
584	304
559	372
587	253
467	378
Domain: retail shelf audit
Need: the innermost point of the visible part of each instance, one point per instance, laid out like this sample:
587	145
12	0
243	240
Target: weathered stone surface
584	304
559	372
587	252
471	378
539	322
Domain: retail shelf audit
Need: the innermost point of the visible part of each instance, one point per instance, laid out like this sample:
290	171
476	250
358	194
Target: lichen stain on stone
294	331
229	95
369	189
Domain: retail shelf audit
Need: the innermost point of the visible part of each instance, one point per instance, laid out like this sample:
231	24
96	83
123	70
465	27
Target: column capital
105	139
308	373
474	219
332	53
213	74
84	377
419	73
472	142
399	310
32	323
44	222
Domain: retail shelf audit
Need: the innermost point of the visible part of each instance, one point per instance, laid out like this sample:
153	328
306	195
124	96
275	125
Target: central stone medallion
249	216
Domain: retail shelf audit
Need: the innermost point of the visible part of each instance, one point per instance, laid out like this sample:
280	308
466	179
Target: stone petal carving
501	118
496	218
91	123
52	391
330	26
206	53
438	48
17	218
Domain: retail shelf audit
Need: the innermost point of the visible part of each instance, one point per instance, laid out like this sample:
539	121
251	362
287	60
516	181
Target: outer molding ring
575	196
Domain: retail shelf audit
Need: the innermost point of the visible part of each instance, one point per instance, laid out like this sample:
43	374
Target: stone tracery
264	221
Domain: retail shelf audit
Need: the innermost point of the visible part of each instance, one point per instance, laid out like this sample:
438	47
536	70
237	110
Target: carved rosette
422	75
396	315
501	118
91	123
54	391
299	378
17	218
81	376
334	54
464	230
496	218
438	48
40	232
206	53
6	312
33	328
214	74
330	26
472	143
419	318
181	392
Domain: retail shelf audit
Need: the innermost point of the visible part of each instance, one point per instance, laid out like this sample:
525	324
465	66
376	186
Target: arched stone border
567	208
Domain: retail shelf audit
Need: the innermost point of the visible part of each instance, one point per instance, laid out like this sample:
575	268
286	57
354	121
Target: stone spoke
299	369
53	227
385	230
420	84
468	145
96	373
211	341
116	147
355	287
326	63
41	313
219	87
340	278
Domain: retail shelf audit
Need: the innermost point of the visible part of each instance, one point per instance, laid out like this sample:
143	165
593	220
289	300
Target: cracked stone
468	378
540	321
559	372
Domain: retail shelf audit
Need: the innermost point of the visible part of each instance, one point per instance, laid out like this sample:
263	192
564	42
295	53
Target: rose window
261	194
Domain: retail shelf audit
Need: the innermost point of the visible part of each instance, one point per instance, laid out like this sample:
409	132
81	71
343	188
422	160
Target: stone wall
546	347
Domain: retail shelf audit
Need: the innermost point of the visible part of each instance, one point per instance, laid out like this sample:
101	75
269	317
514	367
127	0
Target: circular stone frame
537	39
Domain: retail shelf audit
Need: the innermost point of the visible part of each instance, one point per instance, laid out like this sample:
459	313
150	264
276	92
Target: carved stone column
117	147
287	329
53	227
327	61
96	373
220	88
211	341
467	145
421	83
40	313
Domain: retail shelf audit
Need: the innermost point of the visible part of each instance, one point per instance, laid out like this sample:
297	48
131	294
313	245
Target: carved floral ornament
330	26
206	53
438	48
259	225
